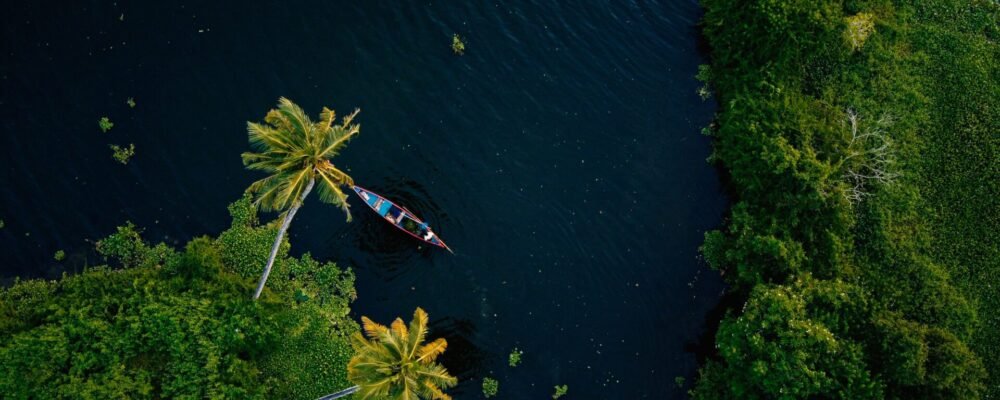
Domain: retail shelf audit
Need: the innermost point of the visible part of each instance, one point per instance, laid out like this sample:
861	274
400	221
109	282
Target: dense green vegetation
163	323
860	138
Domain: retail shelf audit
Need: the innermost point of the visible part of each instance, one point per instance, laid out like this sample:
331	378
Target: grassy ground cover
180	324
861	138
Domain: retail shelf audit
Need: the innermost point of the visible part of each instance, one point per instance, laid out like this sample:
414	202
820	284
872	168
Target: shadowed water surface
560	157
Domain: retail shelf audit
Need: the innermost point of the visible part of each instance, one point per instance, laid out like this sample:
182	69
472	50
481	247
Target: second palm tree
296	152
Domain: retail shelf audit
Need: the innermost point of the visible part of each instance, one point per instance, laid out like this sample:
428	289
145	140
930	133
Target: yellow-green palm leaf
295	151
392	362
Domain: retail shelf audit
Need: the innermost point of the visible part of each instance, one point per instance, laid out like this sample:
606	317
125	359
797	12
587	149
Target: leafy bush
127	247
245	246
177	325
809	221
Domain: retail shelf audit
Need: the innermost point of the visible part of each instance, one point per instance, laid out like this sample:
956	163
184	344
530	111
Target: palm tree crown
393	363
296	151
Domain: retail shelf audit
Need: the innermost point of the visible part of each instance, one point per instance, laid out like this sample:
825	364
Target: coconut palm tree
392	363
296	152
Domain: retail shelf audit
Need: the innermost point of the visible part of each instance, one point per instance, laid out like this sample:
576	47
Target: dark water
560	157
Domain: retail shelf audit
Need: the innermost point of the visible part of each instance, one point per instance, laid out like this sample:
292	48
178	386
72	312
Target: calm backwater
560	157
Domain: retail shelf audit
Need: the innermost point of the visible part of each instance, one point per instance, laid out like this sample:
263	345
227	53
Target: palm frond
264	137
294	115
435	392
296	186
326	117
336	174
338	138
329	189
408	390
418	329
439	375
399	328
372	328
429	352
377	389
350	117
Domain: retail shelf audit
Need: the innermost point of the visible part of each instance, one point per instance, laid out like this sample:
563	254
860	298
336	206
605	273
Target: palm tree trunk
281	234
341	393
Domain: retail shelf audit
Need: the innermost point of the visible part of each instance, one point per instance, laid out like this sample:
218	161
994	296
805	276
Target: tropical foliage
393	363
859	138
177	324
294	150
296	153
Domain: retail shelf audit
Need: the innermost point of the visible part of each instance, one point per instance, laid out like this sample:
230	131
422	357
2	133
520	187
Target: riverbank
861	143
166	323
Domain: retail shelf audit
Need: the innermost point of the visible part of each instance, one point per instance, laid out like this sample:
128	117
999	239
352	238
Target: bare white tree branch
869	160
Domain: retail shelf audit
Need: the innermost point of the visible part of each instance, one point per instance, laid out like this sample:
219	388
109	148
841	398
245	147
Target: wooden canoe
400	217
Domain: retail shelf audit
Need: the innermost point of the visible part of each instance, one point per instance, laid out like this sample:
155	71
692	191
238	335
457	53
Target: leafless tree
870	158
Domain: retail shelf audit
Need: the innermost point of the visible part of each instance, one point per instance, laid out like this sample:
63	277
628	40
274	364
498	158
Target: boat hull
399	217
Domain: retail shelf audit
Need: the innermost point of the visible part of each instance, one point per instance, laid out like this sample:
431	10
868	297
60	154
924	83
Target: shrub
245	246
177	325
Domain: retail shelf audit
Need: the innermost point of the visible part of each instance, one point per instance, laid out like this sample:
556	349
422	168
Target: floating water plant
490	387
60	255
122	154
457	45
105	124
130	102
560	391
515	357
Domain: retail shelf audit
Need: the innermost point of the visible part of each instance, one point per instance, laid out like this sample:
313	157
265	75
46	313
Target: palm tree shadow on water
378	245
464	358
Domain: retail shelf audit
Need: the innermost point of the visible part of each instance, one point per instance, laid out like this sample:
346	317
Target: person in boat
394	215
427	234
